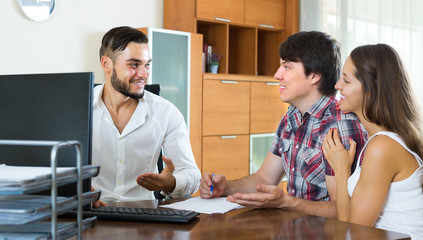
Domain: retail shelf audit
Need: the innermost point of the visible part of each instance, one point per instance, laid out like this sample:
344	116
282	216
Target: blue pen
211	187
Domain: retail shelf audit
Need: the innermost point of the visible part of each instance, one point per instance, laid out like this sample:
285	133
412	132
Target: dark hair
319	53
388	100
118	38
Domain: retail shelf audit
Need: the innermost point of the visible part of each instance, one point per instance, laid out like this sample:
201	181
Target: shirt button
297	146
293	191
293	169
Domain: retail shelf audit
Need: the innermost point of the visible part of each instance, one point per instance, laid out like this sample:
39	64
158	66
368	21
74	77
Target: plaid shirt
299	140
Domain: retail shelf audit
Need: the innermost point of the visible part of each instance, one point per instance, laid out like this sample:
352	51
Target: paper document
209	206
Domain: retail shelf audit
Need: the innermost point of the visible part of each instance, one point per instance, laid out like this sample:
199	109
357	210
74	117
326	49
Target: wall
70	39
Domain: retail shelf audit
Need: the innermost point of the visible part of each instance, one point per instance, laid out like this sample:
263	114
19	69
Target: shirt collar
142	107
317	109
98	93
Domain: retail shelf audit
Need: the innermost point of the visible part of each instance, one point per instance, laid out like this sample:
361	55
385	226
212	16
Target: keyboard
141	214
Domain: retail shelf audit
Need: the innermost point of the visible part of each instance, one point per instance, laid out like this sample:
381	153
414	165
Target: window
358	22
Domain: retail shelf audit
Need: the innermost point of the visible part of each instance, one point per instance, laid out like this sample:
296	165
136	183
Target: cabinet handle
231	82
266	26
222	19
227	137
272	83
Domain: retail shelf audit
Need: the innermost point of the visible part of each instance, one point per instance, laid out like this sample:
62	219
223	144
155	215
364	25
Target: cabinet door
223	10
265	13
226	107
266	107
228	155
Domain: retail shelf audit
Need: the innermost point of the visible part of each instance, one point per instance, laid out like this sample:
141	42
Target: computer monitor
52	107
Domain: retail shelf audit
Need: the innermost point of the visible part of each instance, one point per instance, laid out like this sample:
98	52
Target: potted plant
213	62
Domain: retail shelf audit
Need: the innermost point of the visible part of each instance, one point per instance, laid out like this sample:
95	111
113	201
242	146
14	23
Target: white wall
70	39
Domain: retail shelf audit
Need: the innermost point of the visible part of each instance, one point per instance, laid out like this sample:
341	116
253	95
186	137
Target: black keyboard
141	214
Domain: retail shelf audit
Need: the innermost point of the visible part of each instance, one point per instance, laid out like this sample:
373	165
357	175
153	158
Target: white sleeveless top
403	209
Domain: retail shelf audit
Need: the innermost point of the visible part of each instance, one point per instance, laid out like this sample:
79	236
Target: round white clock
36	10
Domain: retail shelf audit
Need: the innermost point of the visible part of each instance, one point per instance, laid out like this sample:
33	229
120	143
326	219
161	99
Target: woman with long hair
385	190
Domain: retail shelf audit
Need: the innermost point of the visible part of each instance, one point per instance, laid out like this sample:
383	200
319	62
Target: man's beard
123	88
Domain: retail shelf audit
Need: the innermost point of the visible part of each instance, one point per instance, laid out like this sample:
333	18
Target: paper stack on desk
209	206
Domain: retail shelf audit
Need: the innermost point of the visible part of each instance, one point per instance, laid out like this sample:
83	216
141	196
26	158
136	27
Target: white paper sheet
208	206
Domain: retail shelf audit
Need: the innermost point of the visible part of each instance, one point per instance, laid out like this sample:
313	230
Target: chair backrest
155	88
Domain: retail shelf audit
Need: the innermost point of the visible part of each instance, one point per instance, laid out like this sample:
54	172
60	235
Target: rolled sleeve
177	147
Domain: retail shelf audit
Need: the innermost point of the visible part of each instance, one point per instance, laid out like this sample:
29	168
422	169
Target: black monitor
52	107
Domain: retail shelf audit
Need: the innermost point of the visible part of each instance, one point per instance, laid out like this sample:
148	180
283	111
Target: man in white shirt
131	126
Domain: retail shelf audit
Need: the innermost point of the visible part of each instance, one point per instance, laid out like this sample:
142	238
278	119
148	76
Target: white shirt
124	156
403	209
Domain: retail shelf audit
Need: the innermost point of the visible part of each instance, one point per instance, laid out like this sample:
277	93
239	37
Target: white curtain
398	23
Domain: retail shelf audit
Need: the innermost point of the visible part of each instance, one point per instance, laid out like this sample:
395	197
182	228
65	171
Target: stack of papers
208	206
42	230
23	209
22	180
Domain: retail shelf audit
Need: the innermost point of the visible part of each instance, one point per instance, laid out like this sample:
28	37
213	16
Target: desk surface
245	223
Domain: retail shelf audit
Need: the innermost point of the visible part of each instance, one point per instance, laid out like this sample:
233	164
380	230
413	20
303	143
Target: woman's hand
338	157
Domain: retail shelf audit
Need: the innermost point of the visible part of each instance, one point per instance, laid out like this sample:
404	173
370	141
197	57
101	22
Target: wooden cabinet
226	107
226	155
248	42
247	34
234	107
265	13
266	109
221	10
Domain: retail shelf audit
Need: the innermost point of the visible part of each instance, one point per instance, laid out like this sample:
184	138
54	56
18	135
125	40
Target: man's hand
267	196
97	203
219	184
164	181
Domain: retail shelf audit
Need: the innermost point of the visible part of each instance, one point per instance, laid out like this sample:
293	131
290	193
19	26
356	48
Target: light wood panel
179	15
196	100
265	13
226	108
266	107
291	17
232	10
227	156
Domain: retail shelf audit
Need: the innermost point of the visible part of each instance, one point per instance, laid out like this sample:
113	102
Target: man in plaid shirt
310	67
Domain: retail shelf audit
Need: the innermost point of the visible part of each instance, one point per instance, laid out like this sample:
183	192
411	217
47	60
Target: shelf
41	230
24	209
245	50
238	77
56	204
242	50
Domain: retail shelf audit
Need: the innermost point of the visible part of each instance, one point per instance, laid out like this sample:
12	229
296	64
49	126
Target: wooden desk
242	224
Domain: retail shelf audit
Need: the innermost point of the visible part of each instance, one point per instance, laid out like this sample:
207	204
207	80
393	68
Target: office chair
154	88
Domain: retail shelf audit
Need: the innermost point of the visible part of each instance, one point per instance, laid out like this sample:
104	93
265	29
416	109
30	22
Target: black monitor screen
52	107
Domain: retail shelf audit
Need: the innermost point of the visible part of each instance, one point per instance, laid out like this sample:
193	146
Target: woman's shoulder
384	147
386	151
